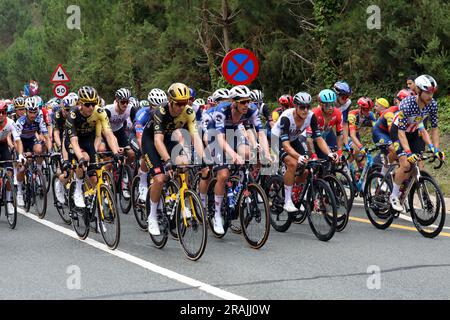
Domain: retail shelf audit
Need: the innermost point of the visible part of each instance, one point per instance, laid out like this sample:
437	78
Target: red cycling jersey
335	120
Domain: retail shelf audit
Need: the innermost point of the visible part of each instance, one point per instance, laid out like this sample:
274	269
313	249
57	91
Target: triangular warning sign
60	75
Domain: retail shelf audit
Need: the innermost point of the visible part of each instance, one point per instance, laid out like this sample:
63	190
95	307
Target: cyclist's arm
111	139
56	138
435	137
317	136
9	141
225	146
161	147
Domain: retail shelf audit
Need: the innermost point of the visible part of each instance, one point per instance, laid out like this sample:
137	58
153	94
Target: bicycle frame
180	197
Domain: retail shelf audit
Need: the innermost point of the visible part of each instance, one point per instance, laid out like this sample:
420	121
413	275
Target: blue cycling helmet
10	109
342	88
193	93
327	96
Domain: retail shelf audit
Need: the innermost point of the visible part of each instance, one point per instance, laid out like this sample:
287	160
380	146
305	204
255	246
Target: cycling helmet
402	94
365	103
192	93
144	103
39	101
178	92
70	101
221	94
157	97
31	104
134	103
257	95
240	92
383	102
199	103
210	100
426	83
123	94
285	100
302	99
19	103
88	95
342	88
327	96
3	106
10	109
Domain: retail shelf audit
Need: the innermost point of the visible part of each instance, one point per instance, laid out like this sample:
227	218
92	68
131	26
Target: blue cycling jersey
141	119
223	119
27	129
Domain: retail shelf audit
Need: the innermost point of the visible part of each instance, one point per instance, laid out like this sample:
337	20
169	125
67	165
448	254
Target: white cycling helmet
257	96
157	97
31	104
426	83
199	102
240	92
302	99
221	94
70	101
123	94
134	103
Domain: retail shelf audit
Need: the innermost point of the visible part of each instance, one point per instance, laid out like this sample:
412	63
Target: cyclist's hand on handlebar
334	157
22	159
412	158
362	151
237	159
82	163
302	160
440	155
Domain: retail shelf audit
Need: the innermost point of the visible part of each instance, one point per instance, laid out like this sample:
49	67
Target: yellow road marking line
397	226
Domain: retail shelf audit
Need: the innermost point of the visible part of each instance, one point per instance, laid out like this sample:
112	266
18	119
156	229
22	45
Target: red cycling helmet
365	103
286	100
3	107
402	94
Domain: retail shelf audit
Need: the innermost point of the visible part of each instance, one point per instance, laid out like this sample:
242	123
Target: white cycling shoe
218	225
153	227
59	191
396	204
142	194
290	207
79	200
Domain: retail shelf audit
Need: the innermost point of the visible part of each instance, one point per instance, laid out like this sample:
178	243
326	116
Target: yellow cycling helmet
178	92
383	102
88	95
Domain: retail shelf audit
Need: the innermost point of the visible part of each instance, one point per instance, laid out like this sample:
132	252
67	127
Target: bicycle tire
110	218
80	224
327	198
347	182
40	191
11	217
275	196
46	171
27	193
63	213
423	225
378	202
248	213
196	224
340	196
140	213
125	204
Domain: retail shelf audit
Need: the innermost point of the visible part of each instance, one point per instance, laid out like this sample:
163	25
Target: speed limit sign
60	90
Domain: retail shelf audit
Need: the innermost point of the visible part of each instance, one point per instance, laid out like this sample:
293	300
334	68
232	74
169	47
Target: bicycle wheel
138	208
61	208
125	182
346	181
40	194
254	215
191	226
109	221
46	171
376	200
211	209
322	211
11	217
427	207
108	179
340	196
280	220
80	221
27	192
234	222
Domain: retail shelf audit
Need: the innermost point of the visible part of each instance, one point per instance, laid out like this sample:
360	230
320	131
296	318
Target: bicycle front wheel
61	208
427	207
109	221
11	215
340	195
40	194
376	200
125	189
254	215
191	226
322	212
138	208
80	221
279	218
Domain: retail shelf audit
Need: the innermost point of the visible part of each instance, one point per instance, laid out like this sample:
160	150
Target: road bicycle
8	196
35	189
420	196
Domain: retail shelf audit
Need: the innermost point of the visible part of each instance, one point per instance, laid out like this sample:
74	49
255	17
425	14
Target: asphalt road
43	259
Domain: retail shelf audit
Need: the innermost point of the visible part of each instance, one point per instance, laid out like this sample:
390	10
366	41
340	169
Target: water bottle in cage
230	195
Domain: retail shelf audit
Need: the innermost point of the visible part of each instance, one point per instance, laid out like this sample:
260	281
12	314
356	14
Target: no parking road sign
240	66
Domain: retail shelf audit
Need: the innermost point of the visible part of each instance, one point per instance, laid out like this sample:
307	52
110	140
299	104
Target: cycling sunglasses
303	106
89	104
243	102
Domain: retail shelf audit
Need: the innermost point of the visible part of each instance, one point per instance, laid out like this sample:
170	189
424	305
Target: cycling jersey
357	120
27	129
276	114
345	109
117	120
80	126
410	116
8	127
164	123
335	121
223	118
46	116
386	119
142	118
59	121
286	129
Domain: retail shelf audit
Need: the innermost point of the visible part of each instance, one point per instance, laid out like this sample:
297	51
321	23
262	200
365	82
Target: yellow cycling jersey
81	126
164	123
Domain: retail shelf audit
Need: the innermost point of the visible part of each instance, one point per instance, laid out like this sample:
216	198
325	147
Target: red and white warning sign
60	75
60	90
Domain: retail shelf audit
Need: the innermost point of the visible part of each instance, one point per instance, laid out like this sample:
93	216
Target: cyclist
381	105
288	129
19	108
83	125
327	116
410	83
7	128
404	132
29	126
157	97
402	94
158	145
343	102
230	116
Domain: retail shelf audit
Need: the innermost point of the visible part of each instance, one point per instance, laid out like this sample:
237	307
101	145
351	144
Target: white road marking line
138	261
402	216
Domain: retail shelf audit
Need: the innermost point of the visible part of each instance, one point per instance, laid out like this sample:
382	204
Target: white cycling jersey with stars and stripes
410	116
